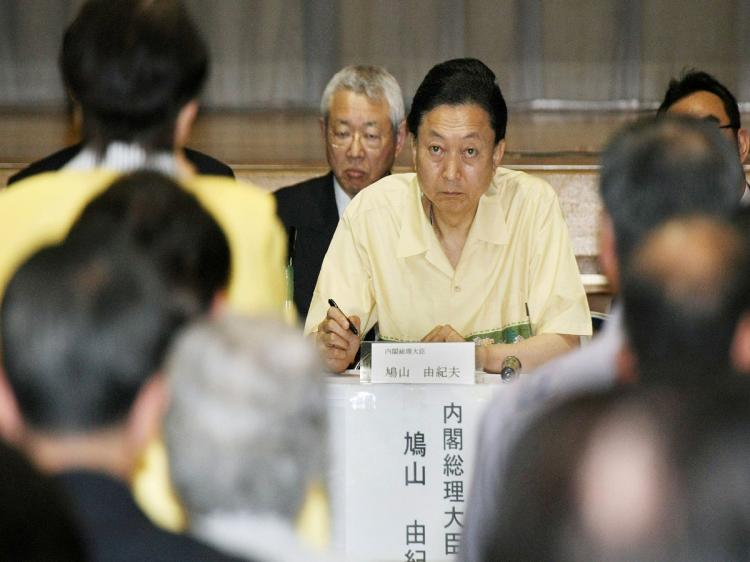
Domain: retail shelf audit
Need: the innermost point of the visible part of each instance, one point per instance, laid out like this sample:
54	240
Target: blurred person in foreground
652	171
181	240
245	433
84	329
137	67
363	128
654	473
700	95
461	250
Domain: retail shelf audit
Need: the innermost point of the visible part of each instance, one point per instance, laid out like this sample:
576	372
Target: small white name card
432	363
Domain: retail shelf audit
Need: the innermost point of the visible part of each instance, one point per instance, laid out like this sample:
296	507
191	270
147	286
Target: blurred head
657	169
649	473
685	292
83	329
362	120
247	407
170	227
537	491
698	94
133	66
624	495
457	120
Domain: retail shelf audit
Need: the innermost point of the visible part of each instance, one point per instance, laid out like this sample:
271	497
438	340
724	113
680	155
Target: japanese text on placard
453	472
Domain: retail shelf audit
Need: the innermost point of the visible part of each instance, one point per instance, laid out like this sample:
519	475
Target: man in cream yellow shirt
463	249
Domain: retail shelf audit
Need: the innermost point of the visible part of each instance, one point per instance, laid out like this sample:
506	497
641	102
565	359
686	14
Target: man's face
708	106
702	105
455	156
360	144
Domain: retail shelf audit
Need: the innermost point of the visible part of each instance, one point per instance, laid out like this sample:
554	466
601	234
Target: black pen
528	319
352	327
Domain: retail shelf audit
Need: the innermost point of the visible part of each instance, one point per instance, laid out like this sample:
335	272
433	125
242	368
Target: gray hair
246	426
374	82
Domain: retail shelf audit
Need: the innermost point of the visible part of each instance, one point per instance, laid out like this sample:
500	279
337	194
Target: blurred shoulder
52	187
225	191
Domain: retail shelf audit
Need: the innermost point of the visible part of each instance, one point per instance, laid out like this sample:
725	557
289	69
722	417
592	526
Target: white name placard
401	467
431	363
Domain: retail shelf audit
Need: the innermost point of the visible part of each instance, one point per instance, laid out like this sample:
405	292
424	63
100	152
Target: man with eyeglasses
363	127
698	94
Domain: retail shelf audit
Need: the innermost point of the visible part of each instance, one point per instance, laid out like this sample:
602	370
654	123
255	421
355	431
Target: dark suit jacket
205	164
310	209
115	529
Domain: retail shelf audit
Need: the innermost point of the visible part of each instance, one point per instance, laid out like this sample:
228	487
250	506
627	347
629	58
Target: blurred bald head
686	289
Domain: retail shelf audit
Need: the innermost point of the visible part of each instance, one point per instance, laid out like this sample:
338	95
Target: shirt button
457	289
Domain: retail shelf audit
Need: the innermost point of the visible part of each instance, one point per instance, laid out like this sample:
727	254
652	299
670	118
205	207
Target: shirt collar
123	157
415	226
342	199
489	222
417	235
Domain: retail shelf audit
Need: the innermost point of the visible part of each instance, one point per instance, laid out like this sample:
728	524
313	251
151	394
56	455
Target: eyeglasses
712	119
342	138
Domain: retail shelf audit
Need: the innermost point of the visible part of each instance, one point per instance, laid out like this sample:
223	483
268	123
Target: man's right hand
336	343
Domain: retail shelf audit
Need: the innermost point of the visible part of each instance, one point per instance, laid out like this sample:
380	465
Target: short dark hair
132	65
83	328
656	169
170	227
693	81
685	290
458	82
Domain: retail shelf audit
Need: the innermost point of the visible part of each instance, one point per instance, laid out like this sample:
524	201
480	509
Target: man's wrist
481	355
494	355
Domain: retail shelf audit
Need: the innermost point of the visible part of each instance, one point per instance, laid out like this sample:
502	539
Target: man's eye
434	149
341	134
372	136
471	151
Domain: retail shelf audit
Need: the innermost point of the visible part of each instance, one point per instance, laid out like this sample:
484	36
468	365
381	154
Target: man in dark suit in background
362	122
